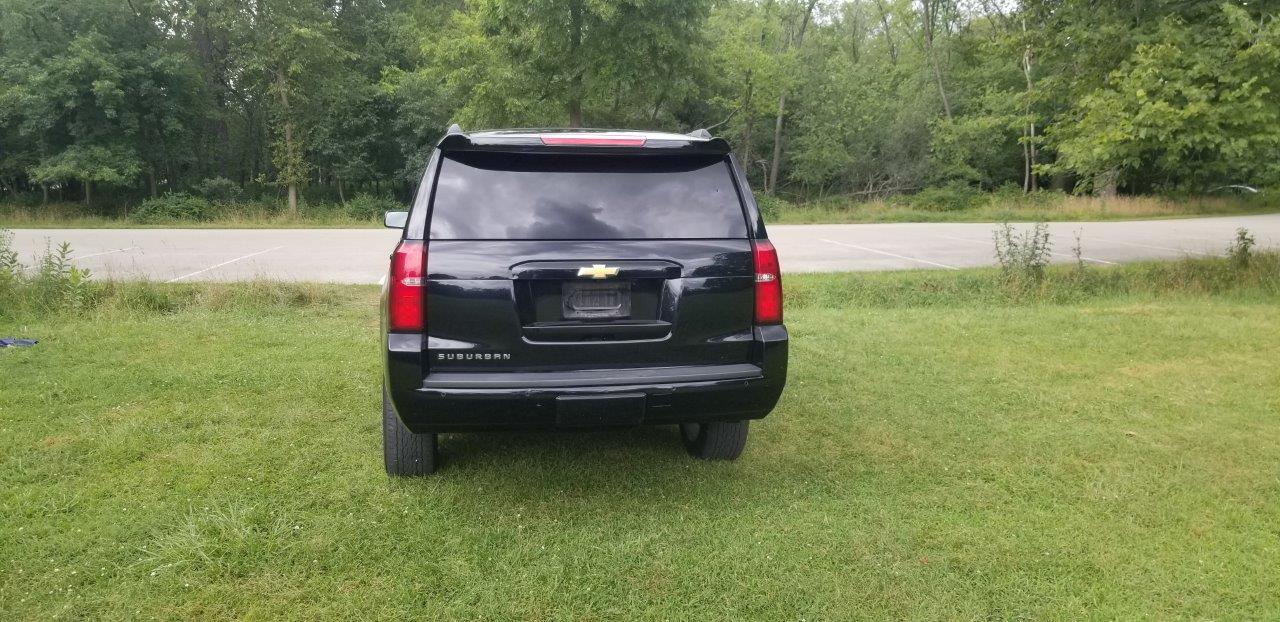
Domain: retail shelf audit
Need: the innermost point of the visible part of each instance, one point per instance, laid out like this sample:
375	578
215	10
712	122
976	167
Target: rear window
502	196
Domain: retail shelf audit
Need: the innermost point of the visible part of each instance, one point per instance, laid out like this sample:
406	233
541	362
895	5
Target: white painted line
1109	263
176	279
872	250
1159	248
118	250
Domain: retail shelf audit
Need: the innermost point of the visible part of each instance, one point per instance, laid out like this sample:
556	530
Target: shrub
219	190
1010	195
771	207
370	207
10	269
57	284
54	285
952	197
1024	255
1241	249
171	208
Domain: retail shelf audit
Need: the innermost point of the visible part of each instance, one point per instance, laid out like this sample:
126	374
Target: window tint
504	196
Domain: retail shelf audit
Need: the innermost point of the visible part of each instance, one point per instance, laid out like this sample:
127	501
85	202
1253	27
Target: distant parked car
555	279
1234	189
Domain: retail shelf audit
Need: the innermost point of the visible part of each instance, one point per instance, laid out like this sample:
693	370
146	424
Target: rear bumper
474	401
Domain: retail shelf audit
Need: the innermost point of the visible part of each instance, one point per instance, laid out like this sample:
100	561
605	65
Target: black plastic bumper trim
590	378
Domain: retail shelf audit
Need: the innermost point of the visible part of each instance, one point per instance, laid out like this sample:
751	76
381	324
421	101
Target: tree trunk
1105	185
1026	164
575	83
772	184
88	193
929	17
747	119
44	194
888	36
341	197
1029	182
283	86
151	182
575	110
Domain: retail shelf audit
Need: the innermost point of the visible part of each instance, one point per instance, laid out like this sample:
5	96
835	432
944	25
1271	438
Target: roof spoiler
530	141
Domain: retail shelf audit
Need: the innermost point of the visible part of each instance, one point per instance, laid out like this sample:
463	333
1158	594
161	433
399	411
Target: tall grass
360	211
53	284
1006	206
1258	280
933	205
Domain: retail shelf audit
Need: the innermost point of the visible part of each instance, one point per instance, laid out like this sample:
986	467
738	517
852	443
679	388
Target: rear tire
718	440
403	452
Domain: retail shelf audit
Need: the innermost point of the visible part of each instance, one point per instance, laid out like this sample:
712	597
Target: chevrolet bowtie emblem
597	271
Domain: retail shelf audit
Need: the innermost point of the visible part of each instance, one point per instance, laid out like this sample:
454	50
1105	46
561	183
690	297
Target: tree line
112	101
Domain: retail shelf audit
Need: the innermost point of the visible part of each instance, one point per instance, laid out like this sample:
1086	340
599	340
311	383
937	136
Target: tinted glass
487	196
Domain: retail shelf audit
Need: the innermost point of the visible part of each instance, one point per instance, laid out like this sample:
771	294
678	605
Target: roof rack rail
701	133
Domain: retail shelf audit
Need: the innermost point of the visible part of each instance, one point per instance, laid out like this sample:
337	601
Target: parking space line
1159	248
118	250
872	250
242	258
1103	261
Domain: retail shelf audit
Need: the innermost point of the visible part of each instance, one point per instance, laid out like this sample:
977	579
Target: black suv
555	278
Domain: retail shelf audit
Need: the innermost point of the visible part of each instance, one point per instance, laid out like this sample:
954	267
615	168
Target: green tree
579	50
88	164
1194	106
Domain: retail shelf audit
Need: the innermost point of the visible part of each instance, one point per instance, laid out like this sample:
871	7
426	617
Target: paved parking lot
359	255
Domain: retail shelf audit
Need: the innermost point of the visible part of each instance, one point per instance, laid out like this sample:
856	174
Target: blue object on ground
14	342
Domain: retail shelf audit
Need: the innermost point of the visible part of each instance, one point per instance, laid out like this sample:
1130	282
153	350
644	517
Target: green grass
997	207
1046	207
945	449
73	216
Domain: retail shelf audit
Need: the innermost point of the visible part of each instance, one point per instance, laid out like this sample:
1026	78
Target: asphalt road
360	255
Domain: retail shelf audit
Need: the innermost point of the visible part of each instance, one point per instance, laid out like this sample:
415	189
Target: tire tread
721	440
403	452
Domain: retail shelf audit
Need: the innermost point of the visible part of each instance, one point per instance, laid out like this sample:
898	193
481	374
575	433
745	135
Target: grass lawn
1045	207
213	452
1048	207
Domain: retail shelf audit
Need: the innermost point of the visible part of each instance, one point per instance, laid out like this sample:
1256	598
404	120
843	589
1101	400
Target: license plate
592	301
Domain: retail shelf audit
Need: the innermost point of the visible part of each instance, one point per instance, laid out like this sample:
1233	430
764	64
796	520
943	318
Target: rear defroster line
888	254
228	262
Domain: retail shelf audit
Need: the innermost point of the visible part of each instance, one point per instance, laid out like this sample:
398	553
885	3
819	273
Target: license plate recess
584	300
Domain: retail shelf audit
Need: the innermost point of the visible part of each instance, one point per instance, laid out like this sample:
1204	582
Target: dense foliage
115	102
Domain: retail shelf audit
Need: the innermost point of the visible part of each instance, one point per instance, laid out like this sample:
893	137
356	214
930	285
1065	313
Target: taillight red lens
599	141
407	298
768	283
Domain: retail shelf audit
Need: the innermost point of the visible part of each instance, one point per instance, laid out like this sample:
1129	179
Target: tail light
407	296
768	283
